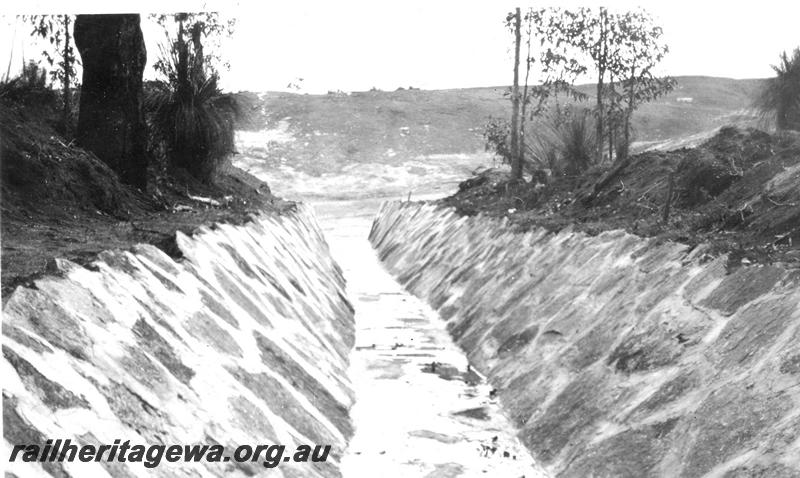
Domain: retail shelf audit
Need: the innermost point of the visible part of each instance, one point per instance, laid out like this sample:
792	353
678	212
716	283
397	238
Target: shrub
780	97
576	137
29	88
33	76
561	141
496	136
542	150
192	121
195	129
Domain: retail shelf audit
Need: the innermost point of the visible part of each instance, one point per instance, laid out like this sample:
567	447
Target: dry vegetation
334	130
738	192
61	201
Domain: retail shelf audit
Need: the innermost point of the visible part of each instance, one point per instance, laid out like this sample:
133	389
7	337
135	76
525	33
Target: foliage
61	54
29	88
191	119
197	133
33	75
205	27
559	137
57	30
781	94
576	139
639	51
552	62
557	65
496	133
563	143
620	49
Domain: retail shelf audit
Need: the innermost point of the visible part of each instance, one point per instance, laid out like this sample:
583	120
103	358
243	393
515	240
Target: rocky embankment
616	356
242	341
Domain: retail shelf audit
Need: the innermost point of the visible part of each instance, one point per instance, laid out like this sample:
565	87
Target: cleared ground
330	131
390	143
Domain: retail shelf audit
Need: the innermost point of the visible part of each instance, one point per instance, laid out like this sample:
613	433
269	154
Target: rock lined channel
243	341
617	356
420	409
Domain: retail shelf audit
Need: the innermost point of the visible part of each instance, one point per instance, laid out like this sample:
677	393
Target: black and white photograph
400	239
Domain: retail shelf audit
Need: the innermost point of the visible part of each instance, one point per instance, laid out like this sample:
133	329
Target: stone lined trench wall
615	355
245	340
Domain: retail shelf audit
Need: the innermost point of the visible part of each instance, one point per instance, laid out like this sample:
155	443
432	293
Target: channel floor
421	410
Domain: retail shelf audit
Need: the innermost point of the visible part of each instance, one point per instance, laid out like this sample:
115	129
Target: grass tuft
194	125
779	99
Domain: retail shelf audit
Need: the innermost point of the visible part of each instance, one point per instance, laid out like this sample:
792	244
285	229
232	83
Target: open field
390	143
329	131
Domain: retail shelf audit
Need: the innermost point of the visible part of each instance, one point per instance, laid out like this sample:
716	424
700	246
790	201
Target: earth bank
614	354
243	341
738	192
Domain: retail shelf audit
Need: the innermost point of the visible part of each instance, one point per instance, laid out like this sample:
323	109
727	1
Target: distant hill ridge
337	129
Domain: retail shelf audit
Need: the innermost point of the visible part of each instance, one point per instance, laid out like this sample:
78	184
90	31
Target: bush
29	88
496	135
561	141
576	136
780	97
192	121
196	130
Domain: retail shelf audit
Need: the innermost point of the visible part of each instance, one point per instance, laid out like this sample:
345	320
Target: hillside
392	143
327	131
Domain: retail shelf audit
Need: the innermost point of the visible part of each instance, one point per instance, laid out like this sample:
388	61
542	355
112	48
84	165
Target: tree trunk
516	163
625	150
601	72
198	67
600	129
629	111
612	118
111	120
523	116
67	70
184	84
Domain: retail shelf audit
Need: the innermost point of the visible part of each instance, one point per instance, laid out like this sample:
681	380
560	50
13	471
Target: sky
354	45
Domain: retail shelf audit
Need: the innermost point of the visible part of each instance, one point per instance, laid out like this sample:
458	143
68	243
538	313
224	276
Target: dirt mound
739	191
706	172
39	169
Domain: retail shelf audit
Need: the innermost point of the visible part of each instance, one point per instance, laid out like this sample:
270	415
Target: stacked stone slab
616	356
242	341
